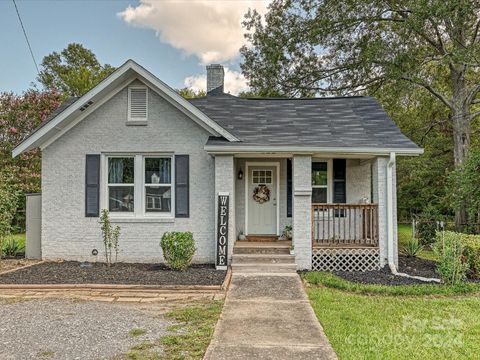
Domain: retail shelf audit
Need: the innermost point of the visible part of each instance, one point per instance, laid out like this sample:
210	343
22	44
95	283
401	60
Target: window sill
142	220
136	123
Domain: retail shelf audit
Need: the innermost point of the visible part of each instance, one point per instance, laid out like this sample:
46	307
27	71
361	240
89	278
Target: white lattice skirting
345	259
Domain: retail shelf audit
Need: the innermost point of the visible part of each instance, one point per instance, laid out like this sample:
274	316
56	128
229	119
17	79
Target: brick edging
118	287
110	287
228	279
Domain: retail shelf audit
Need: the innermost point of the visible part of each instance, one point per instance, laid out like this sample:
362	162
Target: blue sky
174	40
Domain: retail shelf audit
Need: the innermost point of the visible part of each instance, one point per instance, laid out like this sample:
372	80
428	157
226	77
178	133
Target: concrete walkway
268	316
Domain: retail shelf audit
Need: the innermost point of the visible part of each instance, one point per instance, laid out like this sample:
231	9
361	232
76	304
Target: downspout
390	225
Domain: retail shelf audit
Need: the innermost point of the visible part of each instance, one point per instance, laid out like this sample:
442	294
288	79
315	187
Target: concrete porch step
262	238
263	268
263	258
247	247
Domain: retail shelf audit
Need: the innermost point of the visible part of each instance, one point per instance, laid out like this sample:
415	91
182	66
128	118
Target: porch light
240	174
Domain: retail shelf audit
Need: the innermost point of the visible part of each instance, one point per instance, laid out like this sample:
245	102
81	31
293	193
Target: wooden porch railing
344	224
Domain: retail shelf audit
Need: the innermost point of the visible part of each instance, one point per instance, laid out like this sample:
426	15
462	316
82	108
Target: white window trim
329	185
139	212
129	118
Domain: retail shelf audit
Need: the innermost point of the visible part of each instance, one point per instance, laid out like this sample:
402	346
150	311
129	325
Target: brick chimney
215	75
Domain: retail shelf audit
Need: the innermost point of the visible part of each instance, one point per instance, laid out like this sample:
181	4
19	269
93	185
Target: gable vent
137	103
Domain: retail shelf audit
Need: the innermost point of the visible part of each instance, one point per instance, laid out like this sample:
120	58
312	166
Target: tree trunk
461	132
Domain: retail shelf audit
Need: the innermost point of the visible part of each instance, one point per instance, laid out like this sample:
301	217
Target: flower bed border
117	287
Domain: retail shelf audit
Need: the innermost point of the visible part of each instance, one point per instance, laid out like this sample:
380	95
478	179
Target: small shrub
178	249
426	231
110	236
412	248
452	265
472	254
12	248
427	227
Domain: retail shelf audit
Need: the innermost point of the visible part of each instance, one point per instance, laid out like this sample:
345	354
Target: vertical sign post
222	231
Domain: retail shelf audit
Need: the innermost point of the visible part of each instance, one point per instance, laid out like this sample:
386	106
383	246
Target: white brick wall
358	179
302	199
380	197
68	234
225	182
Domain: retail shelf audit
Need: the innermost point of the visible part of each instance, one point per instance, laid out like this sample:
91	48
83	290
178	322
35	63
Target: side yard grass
189	336
18	237
397	322
405	234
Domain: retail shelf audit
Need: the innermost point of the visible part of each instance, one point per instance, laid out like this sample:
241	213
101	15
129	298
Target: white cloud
235	82
211	30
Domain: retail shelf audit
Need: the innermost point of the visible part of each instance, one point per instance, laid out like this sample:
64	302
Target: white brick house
158	162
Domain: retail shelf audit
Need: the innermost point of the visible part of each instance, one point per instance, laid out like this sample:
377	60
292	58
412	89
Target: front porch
345	230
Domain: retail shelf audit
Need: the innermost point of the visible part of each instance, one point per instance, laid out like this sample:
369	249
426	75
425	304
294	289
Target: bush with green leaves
472	254
450	250
178	249
426	231
412	247
110	237
8	208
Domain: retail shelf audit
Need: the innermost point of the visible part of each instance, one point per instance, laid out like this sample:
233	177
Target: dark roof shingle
319	122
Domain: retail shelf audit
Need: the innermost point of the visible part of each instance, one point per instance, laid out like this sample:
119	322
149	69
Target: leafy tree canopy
73	71
310	47
19	116
188	93
465	186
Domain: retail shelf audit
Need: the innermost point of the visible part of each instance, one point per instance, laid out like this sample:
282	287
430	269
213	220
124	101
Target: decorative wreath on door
261	194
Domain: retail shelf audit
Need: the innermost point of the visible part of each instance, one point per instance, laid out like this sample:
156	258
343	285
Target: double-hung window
158	184
121	184
140	185
319	182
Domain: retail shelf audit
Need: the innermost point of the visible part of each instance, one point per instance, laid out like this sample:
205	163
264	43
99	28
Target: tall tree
307	47
73	71
19	115
421	181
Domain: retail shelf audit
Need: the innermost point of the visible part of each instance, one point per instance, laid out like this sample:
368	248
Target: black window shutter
289	187
92	185
339	181
182	185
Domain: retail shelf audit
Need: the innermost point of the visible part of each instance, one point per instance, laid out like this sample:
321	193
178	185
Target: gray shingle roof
345	122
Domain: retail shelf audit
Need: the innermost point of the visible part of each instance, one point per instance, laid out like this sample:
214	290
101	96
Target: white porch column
302	203
379	175
225	182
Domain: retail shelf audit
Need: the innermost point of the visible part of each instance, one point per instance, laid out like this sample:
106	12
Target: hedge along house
159	162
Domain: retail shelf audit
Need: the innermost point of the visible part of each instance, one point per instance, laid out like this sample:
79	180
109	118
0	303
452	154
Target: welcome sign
222	231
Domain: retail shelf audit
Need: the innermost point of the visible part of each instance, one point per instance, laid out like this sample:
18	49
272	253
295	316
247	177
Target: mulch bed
73	272
409	265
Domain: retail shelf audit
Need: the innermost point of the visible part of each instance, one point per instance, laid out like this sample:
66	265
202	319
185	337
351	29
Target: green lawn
373	326
405	234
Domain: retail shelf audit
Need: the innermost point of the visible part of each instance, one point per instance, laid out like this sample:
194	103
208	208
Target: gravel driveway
69	329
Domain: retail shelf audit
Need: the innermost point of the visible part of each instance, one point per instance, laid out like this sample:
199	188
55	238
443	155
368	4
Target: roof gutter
246	149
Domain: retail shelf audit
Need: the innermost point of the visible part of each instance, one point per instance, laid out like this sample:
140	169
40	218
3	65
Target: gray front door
262	200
